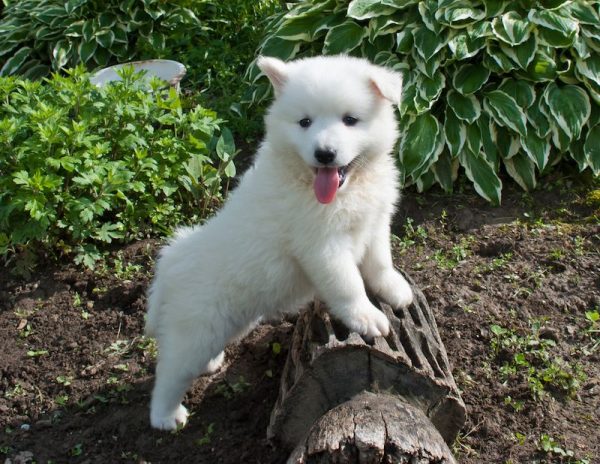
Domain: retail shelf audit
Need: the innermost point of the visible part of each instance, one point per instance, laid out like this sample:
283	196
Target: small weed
557	254
205	439
275	348
26	331
61	400
517	405
456	255
77	450
77	300
228	390
147	346
5	449
593	331
554	449
579	243
16	392
37	353
412	236
529	358
520	438
64	380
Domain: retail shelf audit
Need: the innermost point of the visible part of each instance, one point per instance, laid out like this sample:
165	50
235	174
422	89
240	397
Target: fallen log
345	400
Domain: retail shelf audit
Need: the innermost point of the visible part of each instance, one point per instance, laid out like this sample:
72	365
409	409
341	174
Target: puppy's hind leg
184	353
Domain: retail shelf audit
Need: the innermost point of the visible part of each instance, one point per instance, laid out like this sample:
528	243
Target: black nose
324	156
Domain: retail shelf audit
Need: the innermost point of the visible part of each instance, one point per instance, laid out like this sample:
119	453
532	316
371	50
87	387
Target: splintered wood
343	400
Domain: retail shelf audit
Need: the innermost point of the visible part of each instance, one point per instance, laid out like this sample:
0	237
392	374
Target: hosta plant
83	166
486	83
37	36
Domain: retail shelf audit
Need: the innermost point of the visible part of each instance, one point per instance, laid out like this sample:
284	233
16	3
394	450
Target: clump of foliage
37	36
530	358
83	166
486	83
220	47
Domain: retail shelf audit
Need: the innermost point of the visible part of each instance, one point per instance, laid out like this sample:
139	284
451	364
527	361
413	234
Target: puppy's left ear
275	70
387	84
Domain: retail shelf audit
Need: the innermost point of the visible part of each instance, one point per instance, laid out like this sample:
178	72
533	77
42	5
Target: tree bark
343	399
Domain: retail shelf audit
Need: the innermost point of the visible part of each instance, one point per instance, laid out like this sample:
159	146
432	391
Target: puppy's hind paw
216	363
172	421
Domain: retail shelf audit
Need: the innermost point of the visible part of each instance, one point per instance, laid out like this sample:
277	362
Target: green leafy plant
486	84
530	358
555	450
37	36
84	166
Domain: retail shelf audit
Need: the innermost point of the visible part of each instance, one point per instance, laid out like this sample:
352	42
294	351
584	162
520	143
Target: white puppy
311	218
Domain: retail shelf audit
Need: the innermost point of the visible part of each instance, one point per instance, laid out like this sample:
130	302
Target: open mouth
328	180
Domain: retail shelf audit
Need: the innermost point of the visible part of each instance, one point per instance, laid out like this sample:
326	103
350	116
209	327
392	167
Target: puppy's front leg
378	270
337	281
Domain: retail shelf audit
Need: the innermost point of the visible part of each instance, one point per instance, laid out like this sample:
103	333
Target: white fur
274	247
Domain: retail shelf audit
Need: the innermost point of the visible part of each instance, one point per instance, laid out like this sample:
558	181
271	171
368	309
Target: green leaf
467	108
284	49
522	91
470	78
88	30
522	54
445	170
431	89
427	43
489	135
463	46
483	175
473	142
584	13
505	110
511	28
590	68
553	29
420	143
13	64
365	9
455	132
105	38
60	54
230	169
537	148
460	16
569	106
522	170
591	149
343	38
86	50
542	68
225	145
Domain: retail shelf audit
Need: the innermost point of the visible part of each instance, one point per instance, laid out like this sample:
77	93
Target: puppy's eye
349	120
304	123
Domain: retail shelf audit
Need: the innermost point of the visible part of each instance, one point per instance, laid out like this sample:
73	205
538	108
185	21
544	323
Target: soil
76	373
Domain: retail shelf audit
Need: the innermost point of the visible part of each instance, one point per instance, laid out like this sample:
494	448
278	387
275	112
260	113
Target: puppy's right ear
275	70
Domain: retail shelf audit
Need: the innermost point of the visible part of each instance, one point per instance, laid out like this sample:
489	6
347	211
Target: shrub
84	166
37	36
486	83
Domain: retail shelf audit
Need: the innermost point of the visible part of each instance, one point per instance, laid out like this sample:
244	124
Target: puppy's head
335	113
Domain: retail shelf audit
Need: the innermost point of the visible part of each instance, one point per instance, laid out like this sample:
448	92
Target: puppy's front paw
370	322
395	290
170	421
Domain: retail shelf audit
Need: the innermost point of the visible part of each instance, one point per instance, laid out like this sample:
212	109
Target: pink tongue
326	184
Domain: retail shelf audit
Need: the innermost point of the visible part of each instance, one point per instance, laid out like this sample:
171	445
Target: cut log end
373	428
